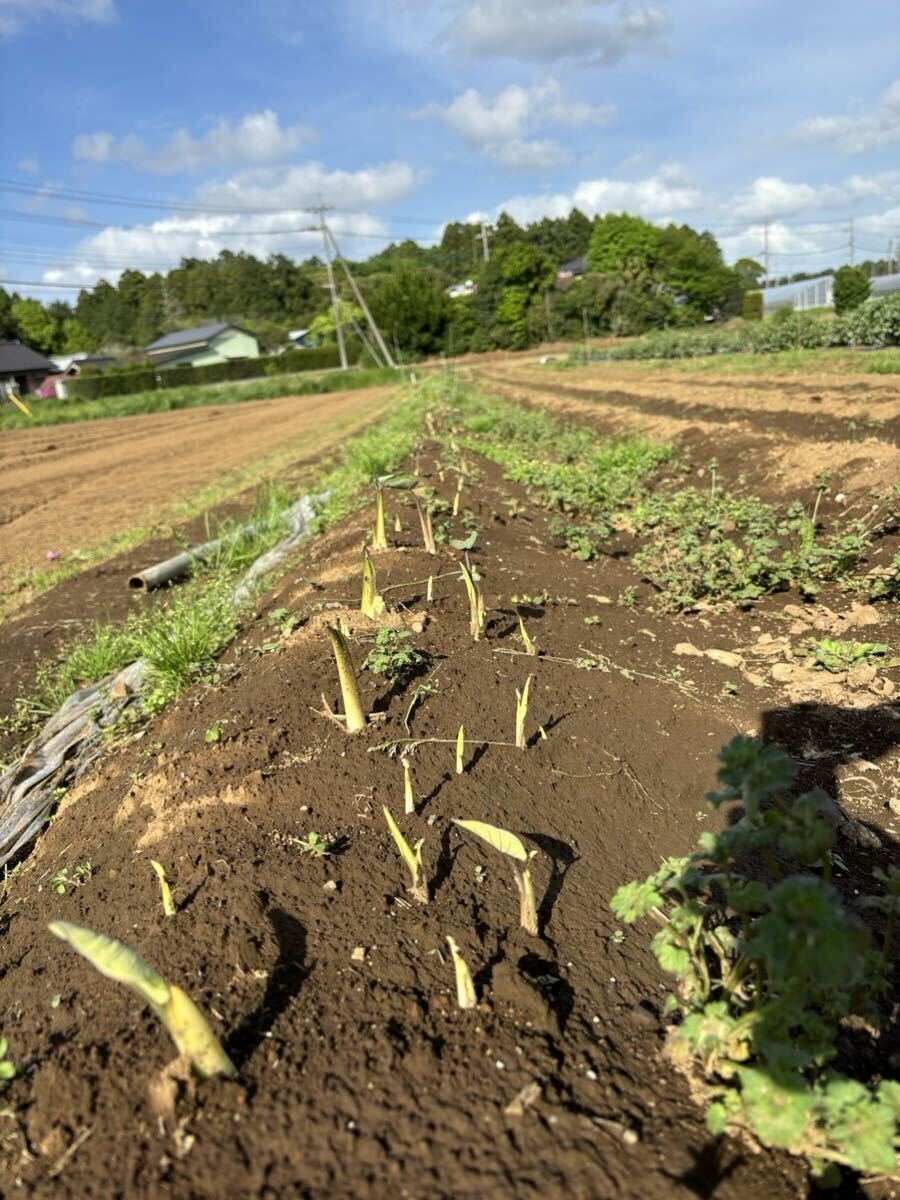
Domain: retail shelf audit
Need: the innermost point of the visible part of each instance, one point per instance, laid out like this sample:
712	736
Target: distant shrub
145	379
851	289
752	308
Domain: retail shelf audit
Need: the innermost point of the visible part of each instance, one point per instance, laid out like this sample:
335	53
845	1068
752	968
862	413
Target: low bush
772	962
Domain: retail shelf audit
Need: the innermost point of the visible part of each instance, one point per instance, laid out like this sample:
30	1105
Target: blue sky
213	125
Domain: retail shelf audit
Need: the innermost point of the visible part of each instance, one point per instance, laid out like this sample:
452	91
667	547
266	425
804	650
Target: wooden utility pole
766	250
321	210
360	299
485	245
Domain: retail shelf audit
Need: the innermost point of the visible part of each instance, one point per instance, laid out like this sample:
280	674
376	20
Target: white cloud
28	166
856	135
783	242
15	15
580	31
497	126
768	197
296	187
666	192
256	138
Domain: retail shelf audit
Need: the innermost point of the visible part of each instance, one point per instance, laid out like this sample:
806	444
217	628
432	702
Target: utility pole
321	210
852	244
485	234
766	251
360	299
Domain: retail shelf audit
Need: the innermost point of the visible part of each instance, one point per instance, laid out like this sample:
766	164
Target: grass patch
181	639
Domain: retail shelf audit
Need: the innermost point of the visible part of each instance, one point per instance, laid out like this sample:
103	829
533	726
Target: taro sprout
527	642
168	903
508	844
460	749
353	709
522	712
402	483
187	1026
418	888
476	602
371	603
465	988
425	522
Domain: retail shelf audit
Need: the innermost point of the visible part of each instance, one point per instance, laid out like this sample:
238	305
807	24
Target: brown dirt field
332	991
69	487
358	1076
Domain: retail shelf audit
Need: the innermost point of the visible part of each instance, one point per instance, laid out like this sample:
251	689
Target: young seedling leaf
353	709
425	523
191	1033
403	482
465	988
409	804
466	543
460	749
500	839
187	1026
522	712
476	602
168	903
507	843
115	960
371	603
530	647
412	857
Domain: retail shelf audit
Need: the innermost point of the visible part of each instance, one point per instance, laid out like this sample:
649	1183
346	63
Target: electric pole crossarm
360	300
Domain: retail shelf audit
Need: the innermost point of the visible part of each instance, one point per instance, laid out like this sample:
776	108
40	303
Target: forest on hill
638	276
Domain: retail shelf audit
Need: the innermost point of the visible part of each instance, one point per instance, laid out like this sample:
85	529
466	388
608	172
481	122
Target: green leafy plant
314	845
769	969
187	1026
284	620
418	888
392	655
64	880
214	733
836	656
508	844
7	1068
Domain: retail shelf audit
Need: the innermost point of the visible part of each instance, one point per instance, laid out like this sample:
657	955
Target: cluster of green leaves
393	656
718	546
770	963
835	655
874	324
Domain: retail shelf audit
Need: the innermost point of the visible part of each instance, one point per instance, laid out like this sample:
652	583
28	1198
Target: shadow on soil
285	980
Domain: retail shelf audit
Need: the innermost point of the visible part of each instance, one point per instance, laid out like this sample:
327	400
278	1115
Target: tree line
638	276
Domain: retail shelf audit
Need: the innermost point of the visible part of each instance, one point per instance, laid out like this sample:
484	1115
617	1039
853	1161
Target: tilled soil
65	488
332	989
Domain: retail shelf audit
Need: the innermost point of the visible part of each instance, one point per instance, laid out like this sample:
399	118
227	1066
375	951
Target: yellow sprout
412	857
187	1026
460	749
353	709
530	647
507	843
167	902
371	604
409	804
465	988
522	712
476	602
425	523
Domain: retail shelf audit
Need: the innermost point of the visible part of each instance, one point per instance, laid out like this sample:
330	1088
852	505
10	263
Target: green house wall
233	343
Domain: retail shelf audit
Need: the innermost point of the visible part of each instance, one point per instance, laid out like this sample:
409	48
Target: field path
66	487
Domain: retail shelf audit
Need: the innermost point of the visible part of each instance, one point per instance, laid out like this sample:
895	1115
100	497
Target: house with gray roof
22	368
204	344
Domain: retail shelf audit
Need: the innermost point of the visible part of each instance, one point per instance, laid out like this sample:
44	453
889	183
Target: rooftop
16	359
188	337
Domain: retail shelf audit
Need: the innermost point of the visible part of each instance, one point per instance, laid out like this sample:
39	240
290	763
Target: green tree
412	306
626	246
749	272
36	327
851	288
75	336
8	327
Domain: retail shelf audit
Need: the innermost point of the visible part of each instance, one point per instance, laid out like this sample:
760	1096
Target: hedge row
123	383
874	324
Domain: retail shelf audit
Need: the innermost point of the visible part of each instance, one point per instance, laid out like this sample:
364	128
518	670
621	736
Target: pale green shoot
522	712
371	603
353	709
460	749
476	603
412	857
187	1026
409	804
507	843
465	988
168	903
